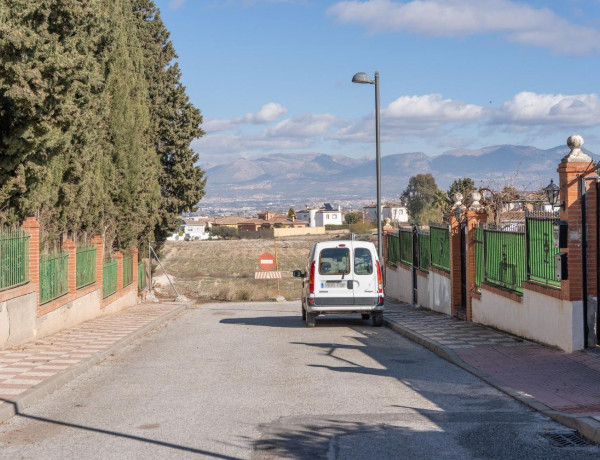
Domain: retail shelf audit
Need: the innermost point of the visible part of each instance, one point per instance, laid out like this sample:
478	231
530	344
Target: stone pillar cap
576	155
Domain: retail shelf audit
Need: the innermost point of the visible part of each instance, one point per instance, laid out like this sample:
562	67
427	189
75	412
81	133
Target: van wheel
310	319
365	315
303	312
377	318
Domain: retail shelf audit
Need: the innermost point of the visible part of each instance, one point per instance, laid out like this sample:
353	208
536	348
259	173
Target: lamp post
363	78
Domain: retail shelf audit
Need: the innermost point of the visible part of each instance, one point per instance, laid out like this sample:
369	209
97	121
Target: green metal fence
406	246
54	276
440	247
142	276
109	278
393	249
541	250
127	271
479	262
86	266
424	251
504	255
14	258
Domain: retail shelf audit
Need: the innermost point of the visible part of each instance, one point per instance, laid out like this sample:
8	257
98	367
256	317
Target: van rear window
363	263
334	261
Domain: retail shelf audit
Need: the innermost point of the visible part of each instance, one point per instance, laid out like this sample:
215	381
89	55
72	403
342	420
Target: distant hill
296	176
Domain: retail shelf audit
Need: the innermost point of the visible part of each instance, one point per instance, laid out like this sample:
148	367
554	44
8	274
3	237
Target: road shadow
176	447
296	321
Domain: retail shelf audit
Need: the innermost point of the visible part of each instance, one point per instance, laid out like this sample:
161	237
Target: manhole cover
570	439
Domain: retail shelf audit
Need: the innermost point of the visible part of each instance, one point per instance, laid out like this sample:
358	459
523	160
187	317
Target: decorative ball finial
575	142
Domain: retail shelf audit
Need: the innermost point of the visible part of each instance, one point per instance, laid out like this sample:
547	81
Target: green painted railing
479	262
54	276
393	249
86	266
504	255
109	278
127	271
141	276
424	251
406	246
541	250
440	247
14	258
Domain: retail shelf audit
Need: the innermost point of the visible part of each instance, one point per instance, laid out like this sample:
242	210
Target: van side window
334	261
363	263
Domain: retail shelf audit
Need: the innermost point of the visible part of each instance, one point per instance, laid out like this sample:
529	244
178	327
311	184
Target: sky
275	76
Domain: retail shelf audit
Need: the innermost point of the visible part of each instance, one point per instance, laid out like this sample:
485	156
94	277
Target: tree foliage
420	198
95	126
353	217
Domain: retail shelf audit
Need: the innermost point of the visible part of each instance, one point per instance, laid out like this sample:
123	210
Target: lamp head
458	212
552	191
361	77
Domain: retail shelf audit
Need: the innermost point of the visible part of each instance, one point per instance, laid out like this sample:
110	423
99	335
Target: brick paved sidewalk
37	368
565	383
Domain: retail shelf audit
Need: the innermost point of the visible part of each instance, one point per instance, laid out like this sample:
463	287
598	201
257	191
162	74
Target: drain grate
570	439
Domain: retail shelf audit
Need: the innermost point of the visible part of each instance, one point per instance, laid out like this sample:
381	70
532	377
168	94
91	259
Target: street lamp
362	77
552	191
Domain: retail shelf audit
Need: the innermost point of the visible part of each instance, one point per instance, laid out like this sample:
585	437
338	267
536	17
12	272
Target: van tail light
311	280
379	280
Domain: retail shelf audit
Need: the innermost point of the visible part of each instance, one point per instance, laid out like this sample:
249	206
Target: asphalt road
248	380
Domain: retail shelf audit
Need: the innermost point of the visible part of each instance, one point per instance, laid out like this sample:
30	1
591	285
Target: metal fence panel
424	251
504	254
54	276
14	258
393	249
127	271
440	248
85	266
406	246
141	276
109	278
541	250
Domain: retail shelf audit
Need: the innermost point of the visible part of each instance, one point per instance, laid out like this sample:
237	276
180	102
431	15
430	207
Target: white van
342	277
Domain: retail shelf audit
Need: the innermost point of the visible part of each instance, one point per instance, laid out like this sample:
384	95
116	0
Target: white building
319	217
394	212
191	230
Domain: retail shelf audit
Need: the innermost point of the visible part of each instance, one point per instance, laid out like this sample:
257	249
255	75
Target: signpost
268	262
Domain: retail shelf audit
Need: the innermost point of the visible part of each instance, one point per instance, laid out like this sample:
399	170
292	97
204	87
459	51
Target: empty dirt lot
224	269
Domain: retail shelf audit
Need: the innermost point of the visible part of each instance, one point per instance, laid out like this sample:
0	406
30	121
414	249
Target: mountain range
336	177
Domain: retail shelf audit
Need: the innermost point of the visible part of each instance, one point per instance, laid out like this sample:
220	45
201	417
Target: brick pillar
118	256
70	247
134	261
475	217
32	227
98	241
572	168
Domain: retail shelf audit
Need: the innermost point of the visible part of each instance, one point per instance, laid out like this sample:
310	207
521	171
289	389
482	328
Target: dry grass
224	270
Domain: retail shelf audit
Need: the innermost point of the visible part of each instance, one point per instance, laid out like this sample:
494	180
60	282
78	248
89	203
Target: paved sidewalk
564	386
33	370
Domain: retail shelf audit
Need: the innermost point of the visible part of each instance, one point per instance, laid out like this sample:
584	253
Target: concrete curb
26	399
586	426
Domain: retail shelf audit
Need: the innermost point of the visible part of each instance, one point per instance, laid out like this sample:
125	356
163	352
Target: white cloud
431	109
267	113
515	21
528	108
176	4
303	125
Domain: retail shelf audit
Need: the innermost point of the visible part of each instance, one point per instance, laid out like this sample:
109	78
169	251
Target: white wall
439	293
398	283
539	317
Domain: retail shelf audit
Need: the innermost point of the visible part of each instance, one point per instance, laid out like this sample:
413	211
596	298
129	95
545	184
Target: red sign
266	261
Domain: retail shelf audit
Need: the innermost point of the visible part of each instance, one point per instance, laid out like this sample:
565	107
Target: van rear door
365	276
333	276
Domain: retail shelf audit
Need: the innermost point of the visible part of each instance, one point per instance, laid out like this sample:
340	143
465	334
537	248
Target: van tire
310	319
365	315
377	318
